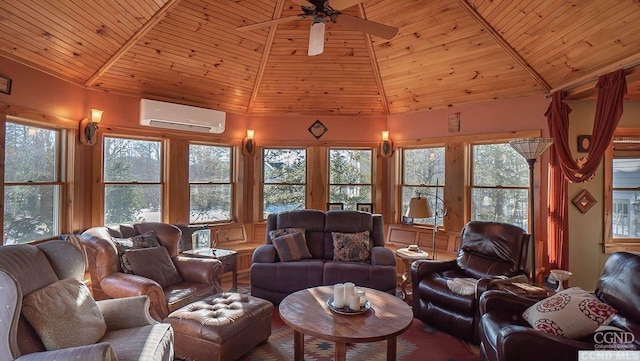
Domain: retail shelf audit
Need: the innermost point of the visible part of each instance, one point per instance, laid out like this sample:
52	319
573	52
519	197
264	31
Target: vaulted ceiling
446	53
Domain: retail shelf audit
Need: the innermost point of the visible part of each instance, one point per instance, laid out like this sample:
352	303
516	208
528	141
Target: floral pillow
351	247
146	240
572	313
292	247
273	234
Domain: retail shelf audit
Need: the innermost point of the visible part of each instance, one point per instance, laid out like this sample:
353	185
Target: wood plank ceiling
446	53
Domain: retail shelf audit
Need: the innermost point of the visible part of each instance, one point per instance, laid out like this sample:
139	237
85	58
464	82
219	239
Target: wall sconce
248	144
386	146
89	127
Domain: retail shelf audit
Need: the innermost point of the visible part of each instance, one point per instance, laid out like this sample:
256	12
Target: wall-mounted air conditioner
158	114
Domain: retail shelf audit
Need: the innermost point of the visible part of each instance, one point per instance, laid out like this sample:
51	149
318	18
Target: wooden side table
407	258
228	258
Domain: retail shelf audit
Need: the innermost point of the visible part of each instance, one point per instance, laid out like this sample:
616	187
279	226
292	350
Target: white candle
354	303
349	291
361	297
338	295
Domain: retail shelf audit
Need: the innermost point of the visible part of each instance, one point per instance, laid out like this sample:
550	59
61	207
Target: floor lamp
531	149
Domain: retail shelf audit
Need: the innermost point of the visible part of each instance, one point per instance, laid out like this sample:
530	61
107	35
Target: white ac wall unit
158	114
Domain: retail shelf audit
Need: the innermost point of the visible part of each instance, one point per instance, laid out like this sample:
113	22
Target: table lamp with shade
419	208
531	149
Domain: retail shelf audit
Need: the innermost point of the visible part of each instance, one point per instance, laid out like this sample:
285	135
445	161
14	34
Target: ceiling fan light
316	39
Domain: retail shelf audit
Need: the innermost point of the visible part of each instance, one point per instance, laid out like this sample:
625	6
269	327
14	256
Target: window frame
612	244
60	216
430	189
162	174
372	175
231	183
262	150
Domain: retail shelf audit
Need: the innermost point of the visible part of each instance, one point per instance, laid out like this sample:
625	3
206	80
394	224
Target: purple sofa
274	280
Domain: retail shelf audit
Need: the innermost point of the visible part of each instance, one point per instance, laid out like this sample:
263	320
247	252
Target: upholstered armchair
170	284
505	334
47	312
487	250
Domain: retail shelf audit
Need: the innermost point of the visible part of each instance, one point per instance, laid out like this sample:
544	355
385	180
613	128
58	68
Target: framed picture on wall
365	207
335	206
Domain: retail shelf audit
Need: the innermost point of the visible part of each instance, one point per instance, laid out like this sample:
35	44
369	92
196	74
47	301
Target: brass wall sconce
248	144
386	145
89	127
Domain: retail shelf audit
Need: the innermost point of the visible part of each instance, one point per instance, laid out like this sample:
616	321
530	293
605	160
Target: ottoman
220	327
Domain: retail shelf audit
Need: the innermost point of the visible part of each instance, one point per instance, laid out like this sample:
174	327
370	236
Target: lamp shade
418	208
531	148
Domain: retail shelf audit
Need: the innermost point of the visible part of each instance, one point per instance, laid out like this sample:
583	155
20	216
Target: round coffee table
307	313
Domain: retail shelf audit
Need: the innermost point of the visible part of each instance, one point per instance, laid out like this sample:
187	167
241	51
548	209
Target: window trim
232	183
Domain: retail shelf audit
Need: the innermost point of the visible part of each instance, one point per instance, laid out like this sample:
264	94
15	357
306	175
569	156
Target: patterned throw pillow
291	247
153	263
572	313
284	231
146	240
351	247
64	315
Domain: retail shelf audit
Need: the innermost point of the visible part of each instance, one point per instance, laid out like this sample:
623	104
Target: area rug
419	342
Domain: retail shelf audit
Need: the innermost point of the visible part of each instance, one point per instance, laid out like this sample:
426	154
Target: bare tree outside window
210	187
423	171
132	181
32	183
284	174
500	185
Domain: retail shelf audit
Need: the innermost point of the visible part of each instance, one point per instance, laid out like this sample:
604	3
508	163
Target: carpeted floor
419	342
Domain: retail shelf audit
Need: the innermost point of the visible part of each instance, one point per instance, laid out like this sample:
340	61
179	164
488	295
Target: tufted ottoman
220	327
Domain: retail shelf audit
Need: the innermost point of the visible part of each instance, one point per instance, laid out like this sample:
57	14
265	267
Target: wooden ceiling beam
374	64
504	44
277	13
155	19
588	81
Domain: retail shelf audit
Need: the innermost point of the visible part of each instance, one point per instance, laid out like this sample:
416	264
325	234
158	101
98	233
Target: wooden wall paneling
97	185
243	203
317	181
176	189
233	236
256	176
69	206
455	181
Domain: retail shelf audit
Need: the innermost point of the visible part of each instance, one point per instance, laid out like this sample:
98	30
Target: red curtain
563	168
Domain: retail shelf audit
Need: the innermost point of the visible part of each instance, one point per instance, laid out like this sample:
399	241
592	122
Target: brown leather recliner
505	335
131	334
199	275
487	250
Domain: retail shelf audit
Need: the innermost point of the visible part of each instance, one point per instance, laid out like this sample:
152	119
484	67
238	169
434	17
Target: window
32	183
423	170
132	181
210	189
499	185
350	174
284	174
625	213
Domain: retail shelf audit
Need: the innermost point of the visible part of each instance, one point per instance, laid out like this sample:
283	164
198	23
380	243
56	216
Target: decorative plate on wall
317	129
584	201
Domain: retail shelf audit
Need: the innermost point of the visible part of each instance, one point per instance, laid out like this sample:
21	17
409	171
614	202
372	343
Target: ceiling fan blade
343	4
303	3
316	39
270	22
368	26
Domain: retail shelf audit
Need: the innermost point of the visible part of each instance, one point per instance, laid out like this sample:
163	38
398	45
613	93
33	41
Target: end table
228	258
407	258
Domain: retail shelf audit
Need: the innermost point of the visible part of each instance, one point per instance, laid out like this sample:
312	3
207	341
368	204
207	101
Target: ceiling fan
321	10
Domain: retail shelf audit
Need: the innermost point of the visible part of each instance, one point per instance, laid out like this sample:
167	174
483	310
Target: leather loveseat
487	250
506	336
273	280
198	277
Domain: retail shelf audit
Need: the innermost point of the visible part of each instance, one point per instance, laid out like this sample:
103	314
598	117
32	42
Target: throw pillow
292	247
153	263
284	231
572	313
64	315
351	247
146	240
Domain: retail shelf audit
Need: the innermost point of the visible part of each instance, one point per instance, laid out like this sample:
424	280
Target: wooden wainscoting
233	236
401	236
